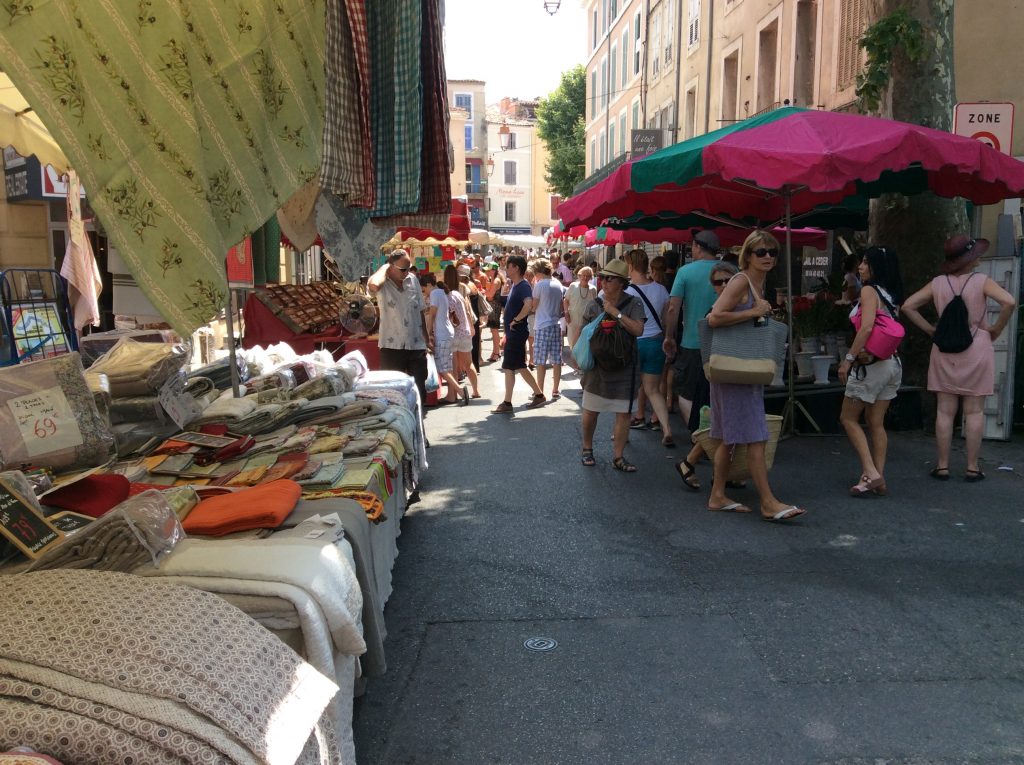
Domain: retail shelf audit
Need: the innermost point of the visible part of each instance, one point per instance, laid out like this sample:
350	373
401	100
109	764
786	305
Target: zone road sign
988	122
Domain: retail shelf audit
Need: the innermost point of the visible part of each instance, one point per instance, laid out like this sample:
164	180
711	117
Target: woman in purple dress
738	410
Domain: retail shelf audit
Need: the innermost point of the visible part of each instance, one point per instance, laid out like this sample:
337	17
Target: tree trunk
917	226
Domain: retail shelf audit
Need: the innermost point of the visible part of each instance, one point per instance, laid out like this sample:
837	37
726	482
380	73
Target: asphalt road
872	631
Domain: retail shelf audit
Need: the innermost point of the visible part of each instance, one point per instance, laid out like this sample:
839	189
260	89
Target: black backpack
613	350
953	330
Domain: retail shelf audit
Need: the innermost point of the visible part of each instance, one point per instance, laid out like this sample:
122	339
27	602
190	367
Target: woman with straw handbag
739	407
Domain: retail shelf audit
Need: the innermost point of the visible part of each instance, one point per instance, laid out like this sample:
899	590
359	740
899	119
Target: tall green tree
560	126
909	77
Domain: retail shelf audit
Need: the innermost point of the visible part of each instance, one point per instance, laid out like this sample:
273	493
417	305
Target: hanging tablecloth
189	124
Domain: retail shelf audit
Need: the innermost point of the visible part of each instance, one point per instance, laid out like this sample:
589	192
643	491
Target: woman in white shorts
462	347
871	383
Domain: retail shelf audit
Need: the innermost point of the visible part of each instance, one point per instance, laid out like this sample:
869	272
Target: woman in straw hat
969	376
612	391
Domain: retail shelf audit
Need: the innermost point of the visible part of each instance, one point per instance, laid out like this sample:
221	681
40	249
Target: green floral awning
190	123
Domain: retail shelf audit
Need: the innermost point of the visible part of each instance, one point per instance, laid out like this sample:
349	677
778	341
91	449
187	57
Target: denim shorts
650	355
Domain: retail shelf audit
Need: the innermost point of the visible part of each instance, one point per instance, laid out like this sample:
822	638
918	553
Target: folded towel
261	507
94	495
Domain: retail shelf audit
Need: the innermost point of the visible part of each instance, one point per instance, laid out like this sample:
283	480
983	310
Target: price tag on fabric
180	406
23	525
46	421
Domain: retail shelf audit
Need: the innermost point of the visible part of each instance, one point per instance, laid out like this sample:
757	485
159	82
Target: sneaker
637	423
653	425
503	408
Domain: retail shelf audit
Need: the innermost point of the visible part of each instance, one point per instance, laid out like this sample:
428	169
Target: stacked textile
139	530
260	507
168	679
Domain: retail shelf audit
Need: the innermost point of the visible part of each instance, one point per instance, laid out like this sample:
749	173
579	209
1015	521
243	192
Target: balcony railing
480	187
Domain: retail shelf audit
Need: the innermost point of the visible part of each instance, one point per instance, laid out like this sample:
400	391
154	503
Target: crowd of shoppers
649	311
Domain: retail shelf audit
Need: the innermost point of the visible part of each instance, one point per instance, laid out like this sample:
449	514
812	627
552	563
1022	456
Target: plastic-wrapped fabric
140	530
328	385
283	380
137	369
99	384
48	417
136	409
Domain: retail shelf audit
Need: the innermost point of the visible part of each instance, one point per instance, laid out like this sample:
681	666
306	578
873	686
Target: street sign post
990	123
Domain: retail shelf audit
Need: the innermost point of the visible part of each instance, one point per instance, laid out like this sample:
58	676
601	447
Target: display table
263	328
824	403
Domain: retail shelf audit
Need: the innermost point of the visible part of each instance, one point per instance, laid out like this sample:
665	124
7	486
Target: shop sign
240	269
54	185
22	180
644	142
990	123
817	267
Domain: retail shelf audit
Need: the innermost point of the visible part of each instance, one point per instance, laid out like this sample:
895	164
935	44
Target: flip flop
732	507
973	476
555	396
939	474
785	514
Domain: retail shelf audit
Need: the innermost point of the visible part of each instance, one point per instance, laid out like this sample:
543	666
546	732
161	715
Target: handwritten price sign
45	421
23	525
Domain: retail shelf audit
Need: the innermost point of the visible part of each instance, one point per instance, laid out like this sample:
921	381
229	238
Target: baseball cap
708	240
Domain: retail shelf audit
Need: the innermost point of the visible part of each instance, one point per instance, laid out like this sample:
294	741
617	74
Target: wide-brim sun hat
961	251
615	268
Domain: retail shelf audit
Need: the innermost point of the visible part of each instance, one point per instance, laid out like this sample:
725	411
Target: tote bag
743	354
581	350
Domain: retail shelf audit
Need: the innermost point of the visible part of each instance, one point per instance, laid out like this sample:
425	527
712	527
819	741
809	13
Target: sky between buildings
513	45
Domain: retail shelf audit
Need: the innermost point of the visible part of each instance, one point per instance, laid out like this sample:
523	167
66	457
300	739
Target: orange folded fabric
262	507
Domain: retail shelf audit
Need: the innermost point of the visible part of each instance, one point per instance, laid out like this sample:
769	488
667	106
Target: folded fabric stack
137	531
330	472
162	685
261	507
225	410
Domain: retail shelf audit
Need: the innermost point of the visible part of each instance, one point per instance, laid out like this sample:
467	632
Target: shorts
514	357
547	346
443	356
463	343
650	355
879	381
689	377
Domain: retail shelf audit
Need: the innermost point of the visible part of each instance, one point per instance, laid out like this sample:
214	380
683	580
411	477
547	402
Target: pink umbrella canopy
728	236
745	171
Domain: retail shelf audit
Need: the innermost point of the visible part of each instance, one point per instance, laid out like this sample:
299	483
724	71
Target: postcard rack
35	316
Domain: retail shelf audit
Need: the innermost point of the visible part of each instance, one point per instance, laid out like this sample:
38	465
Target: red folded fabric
261	507
94	495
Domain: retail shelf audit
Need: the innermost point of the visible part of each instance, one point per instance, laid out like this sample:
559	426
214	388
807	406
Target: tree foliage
560	126
897	31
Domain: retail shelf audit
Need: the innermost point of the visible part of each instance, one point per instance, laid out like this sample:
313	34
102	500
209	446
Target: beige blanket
154	671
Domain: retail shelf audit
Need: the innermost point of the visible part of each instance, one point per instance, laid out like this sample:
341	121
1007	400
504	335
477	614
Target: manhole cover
541	644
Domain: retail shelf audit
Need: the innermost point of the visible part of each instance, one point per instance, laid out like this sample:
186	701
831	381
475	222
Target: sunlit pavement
884	630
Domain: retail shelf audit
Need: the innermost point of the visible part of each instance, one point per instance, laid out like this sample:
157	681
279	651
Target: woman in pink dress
968	376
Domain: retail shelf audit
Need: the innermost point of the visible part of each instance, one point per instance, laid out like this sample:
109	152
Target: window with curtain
512	140
510	212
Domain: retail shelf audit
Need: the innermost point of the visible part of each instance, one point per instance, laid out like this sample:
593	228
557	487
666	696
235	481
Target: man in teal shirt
693	290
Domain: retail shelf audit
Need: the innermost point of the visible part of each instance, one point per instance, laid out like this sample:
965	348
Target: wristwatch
850	357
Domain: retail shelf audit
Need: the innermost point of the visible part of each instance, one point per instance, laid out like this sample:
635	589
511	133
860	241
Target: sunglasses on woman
719	282
763	252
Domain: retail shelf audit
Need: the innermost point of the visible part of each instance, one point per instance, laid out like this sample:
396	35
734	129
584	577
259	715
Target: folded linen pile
225	410
170	680
261	507
332	468
139	530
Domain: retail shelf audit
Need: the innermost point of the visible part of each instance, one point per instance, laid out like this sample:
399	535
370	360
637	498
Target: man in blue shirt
517	309
693	291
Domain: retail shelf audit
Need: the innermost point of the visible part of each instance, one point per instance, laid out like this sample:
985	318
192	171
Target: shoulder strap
654	313
881	296
750	284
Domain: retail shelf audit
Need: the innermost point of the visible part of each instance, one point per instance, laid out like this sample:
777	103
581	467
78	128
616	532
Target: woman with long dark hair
871	382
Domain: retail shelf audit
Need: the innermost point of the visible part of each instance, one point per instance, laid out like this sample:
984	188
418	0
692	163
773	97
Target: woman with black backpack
962	364
612	383
871	372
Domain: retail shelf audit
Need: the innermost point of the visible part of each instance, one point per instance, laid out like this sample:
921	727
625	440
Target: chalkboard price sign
21	523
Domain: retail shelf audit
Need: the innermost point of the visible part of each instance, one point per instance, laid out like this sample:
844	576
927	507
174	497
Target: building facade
470	140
